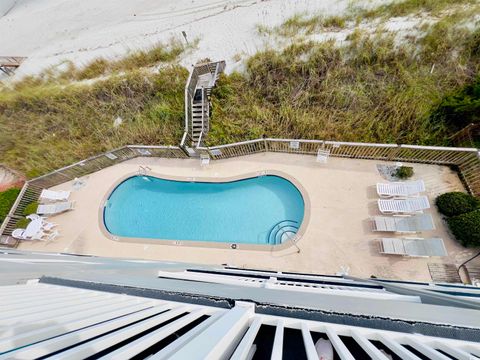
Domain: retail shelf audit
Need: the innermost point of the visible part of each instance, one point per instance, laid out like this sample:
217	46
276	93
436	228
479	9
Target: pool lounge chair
41	236
55	208
50	195
322	156
403	206
416	223
400	189
413	247
19	234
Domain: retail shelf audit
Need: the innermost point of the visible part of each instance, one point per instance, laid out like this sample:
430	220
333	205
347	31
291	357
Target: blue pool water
261	210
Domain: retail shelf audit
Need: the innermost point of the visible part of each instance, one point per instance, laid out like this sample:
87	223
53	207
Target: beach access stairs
198	91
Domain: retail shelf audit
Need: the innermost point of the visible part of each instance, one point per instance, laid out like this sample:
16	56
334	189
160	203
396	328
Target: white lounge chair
47	226
204	160
35	217
50	236
19	234
416	223
55	208
413	247
400	189
51	195
42	236
322	156
403	206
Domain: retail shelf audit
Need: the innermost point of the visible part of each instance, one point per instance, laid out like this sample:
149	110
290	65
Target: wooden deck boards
444	273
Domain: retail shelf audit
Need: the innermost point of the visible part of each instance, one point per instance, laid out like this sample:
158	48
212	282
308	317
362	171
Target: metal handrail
13	208
200	138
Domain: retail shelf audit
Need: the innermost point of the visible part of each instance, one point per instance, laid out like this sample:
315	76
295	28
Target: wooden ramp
444	273
473	273
8	64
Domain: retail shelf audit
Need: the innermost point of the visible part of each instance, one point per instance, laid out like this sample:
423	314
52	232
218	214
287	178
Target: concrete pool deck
338	235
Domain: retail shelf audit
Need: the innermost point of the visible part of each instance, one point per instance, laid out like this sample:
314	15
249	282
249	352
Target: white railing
467	160
214	68
129	326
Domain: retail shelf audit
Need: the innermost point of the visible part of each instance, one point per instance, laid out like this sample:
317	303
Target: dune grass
413	7
371	89
44	127
137	59
308	24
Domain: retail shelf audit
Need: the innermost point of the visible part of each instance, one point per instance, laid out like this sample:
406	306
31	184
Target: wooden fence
467	160
32	188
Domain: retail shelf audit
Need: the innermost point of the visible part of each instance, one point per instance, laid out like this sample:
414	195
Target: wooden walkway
197	101
444	273
473	273
8	64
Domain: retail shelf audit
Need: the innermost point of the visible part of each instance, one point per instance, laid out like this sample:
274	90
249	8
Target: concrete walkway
338	235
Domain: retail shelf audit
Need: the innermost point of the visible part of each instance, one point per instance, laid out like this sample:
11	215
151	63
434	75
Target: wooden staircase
198	91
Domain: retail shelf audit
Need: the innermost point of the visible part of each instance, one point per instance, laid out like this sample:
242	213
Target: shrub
30	208
466	228
456	203
22	223
460	108
7	198
404	172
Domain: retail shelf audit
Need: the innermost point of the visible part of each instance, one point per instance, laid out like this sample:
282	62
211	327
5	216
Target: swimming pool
263	210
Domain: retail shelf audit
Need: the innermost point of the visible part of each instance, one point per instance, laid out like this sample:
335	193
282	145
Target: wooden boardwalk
473	273
197	101
8	64
444	273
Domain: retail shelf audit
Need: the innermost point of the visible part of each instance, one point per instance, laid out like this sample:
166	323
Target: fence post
393	152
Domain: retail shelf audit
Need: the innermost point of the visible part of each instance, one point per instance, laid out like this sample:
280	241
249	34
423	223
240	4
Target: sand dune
51	31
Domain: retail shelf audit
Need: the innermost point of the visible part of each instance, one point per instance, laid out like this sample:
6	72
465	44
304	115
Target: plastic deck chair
51	195
403	206
400	189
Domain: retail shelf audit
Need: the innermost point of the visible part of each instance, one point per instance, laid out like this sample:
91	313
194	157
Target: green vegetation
30	208
47	126
371	89
461	108
466	228
463	211
135	60
7	198
22	223
409	7
404	172
374	87
456	203
307	24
